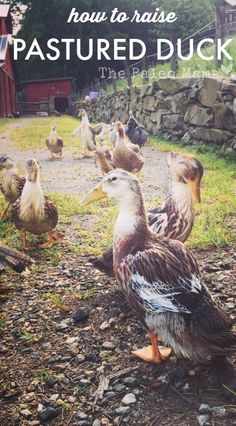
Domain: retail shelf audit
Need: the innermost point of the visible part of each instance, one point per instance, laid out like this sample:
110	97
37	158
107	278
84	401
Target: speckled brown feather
37	227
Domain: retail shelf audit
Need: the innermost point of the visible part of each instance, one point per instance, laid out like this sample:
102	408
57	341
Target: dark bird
136	133
162	283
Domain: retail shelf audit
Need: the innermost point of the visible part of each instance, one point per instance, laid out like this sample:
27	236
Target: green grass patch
32	134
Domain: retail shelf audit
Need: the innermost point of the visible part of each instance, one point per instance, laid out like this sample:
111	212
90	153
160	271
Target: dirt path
67	325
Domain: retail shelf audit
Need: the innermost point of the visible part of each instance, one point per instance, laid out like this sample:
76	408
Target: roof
231	2
3	48
47	80
4	10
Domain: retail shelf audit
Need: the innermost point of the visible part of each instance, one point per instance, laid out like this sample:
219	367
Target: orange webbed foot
149	355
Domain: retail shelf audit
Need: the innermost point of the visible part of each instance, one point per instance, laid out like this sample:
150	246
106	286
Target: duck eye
114	179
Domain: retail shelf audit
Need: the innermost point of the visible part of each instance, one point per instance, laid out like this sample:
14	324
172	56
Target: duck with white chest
161	281
175	217
33	212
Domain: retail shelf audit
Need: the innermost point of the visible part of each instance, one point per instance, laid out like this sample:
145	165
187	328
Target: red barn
8	105
55	92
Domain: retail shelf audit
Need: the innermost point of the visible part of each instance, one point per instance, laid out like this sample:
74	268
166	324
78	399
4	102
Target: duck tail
15	260
222	343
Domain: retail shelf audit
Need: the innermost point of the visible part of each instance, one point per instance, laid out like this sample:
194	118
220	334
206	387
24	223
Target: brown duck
11	183
33	212
162	283
175	217
124	157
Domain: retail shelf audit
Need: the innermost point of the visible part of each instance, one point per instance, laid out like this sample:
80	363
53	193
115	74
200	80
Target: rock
214	136
119	387
26	413
97	423
122	410
204	420
205	409
109	345
114	312
173	121
84	382
72	340
198	116
54	397
208	91
130	381
104	326
47	414
72	399
80	315
128	399
62	327
219	411
175	85
81	415
104	354
80	358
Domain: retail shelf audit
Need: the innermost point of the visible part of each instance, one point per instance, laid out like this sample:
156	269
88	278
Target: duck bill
95	195
196	190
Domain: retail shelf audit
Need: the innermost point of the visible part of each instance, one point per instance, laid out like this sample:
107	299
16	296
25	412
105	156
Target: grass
32	135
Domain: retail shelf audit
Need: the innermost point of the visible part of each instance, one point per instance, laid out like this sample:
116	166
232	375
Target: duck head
188	170
82	113
117	184
32	171
6	163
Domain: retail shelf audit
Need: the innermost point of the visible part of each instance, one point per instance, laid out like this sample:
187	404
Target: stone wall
193	109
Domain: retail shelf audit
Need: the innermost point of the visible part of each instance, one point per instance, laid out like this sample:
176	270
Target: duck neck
181	195
85	121
131	229
32	200
53	135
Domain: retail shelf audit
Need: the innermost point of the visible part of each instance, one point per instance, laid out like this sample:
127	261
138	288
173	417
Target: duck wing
51	213
20	183
166	279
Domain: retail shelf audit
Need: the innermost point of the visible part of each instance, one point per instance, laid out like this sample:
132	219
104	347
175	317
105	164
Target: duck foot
153	352
4	213
52	239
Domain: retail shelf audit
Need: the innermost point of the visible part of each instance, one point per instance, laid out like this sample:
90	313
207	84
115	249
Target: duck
14	259
162	283
103	156
88	133
54	143
32	211
136	133
175	217
11	184
124	157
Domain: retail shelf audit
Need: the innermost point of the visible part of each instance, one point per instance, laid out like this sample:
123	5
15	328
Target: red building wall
8	104
36	90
